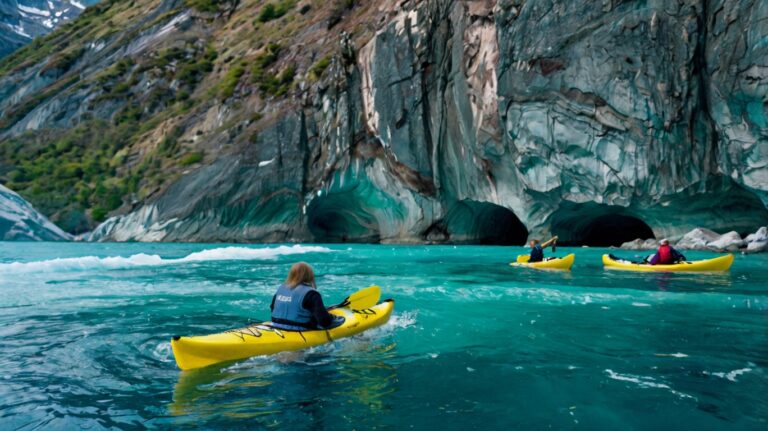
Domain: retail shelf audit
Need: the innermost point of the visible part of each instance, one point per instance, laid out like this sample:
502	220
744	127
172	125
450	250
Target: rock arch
472	222
341	217
597	225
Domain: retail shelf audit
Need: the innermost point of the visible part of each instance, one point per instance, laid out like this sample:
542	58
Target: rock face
478	121
20	222
757	241
23	20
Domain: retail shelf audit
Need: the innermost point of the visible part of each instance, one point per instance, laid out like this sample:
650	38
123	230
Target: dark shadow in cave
472	222
341	218
597	226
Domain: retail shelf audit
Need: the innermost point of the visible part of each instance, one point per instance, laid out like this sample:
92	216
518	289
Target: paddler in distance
666	255
537	249
298	306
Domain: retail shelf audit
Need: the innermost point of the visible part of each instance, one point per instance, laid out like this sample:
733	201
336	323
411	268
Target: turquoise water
474	343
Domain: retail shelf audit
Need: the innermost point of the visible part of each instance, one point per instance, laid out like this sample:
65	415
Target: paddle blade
523	258
362	299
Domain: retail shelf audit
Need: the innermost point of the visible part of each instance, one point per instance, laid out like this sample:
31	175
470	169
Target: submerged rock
19	221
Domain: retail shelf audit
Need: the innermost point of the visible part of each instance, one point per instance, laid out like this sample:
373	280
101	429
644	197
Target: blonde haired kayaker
298	306
537	250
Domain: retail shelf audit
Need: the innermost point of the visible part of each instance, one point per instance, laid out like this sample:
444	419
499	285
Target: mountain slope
23	20
436	121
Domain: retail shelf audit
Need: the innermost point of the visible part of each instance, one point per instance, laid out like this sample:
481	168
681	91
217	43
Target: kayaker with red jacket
666	255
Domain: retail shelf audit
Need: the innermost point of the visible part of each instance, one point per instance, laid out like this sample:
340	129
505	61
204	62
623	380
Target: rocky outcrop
708	240
455	122
20	222
757	241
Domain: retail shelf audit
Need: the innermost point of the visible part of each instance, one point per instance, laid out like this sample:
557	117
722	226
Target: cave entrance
598	226
481	223
341	218
614	230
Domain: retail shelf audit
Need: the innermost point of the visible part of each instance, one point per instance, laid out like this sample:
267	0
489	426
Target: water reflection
355	374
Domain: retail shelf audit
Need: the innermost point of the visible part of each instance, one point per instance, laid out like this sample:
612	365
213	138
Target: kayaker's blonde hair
300	273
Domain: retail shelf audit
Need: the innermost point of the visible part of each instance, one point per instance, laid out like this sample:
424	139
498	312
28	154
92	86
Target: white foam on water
672	355
163	352
401	321
640	304
138	260
645	382
731	375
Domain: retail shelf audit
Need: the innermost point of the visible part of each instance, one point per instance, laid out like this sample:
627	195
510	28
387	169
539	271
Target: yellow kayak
563	263
722	263
262	339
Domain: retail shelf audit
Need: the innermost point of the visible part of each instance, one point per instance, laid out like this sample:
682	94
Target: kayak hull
564	263
722	263
261	339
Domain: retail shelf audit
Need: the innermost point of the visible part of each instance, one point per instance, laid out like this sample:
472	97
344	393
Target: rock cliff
432	121
20	222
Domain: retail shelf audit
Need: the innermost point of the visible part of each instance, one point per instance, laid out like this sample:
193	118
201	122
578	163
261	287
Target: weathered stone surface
736	64
20	222
757	241
457	122
697	239
730	241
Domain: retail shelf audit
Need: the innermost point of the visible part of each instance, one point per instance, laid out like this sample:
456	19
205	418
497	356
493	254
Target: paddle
523	258
360	300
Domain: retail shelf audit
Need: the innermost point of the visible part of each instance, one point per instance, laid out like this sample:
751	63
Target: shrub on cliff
276	10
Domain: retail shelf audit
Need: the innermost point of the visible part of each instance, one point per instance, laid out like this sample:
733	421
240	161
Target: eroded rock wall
559	113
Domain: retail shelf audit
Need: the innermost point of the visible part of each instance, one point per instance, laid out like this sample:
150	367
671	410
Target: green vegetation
170	143
62	62
270	83
272	11
208	6
191	159
278	85
263	61
192	73
71	170
339	9
317	69
228	85
129	142
90	169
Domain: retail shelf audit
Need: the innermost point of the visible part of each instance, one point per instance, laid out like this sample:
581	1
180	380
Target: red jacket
665	255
